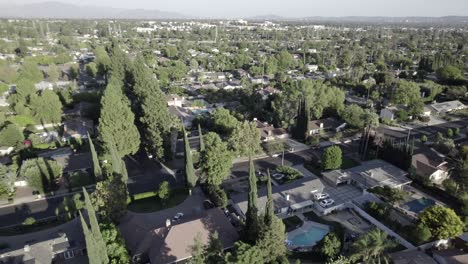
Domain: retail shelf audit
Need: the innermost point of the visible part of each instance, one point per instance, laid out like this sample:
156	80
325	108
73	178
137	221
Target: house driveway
135	226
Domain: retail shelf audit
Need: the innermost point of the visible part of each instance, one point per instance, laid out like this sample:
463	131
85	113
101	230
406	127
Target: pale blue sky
289	8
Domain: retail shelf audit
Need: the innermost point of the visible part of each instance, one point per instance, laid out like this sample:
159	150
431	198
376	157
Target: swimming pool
306	236
418	205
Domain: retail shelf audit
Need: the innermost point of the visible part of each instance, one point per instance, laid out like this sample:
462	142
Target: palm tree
372	247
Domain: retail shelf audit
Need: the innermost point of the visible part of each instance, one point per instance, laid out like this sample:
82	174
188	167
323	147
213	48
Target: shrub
423	138
332	158
290	173
216	195
29	221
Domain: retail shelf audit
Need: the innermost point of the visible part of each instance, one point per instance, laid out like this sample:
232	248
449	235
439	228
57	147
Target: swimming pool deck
305	228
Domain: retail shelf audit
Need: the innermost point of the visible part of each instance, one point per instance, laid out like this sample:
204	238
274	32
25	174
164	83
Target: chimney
27	248
287	196
168	222
321	125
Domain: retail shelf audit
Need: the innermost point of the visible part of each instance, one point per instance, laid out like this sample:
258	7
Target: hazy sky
289	8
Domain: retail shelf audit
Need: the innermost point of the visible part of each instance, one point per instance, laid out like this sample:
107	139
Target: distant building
175	100
368	175
440	108
411	257
325	125
430	165
269	132
268	91
287	198
388	113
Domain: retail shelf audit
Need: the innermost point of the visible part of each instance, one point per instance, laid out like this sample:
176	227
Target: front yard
149	202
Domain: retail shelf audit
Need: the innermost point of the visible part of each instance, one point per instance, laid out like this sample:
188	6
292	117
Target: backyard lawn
152	203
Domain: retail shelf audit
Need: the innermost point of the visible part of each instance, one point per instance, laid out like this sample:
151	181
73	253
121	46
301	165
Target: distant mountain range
58	10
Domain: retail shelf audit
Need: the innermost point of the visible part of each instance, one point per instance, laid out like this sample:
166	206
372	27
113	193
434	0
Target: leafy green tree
110	197
301	129
190	176
216	160
223	121
332	158
200	134
269	208
449	132
164	191
442	222
214	250
70	207
449	74
30	71
197	250
151	108
74	72
409	93
421	234
271	241
103	61
372	246
340	260
330	246
47	107
96	246
244	253
116	124
96	167
252	222
11	136
53	73
40	173
245	139
91	69
352	115
115	244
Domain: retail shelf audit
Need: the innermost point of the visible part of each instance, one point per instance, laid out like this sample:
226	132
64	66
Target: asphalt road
144	175
429	131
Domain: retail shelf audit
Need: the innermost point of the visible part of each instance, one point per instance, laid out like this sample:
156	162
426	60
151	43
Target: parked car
321	196
208	204
177	217
326	203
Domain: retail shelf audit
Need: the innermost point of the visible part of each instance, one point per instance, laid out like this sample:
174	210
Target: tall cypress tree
200	135
99	246
191	179
252	225
269	210
96	167
93	254
116	123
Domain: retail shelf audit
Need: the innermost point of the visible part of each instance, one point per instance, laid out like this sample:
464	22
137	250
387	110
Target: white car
326	203
278	176
321	196
177	217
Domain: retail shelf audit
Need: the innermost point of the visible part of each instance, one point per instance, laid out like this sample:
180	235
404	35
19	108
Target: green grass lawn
291	223
154	204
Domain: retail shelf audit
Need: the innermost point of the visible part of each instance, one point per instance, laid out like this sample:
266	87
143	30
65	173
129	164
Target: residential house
369	175
450	256
440	108
75	162
411	257
287	198
269	132
77	128
388	113
170	243
312	67
267	92
175	100
59	247
430	165
325	125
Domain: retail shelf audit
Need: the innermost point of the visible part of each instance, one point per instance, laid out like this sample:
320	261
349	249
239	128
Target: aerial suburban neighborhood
130	136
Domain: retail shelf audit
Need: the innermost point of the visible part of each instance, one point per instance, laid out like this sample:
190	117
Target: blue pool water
200	111
308	238
418	205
